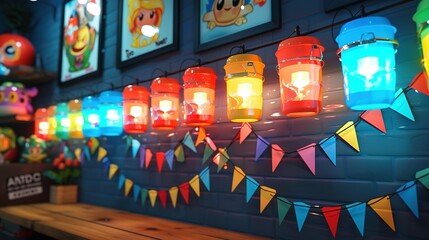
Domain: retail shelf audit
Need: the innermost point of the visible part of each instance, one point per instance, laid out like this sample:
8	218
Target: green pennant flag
207	153
143	194
180	155
423	177
283	206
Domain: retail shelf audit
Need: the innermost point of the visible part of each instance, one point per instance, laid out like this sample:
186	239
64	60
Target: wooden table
83	221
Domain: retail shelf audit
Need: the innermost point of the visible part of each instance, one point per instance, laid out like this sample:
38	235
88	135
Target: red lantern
165	103
136	108
41	124
16	50
199	96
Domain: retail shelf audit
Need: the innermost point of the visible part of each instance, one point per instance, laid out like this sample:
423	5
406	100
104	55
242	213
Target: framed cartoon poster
224	21
146	29
81	31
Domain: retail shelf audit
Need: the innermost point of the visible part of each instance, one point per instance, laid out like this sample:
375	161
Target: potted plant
63	175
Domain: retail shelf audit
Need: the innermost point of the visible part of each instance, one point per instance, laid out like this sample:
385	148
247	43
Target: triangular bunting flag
251	186
261	145
348	133
87	154
408	194
180	156
266	194
162	194
205	177
160	157
357	211
307	154
128	186
173	195
142	156
401	106
195	184
112	170
329	147
121	181
276	156
82	156
143	194
93	144
169	155
184	191
420	83
237	177
188	142
152	197
210	142
201	136
245	131
332	214
423	177
128	142
207	153
135	147
381	206
148	157
136	194
77	154
301	212
66	150
101	153
375	118
106	162
283	206
224	157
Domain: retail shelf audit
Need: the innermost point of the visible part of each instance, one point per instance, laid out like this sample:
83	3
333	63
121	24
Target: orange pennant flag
245	130
152	197
382	207
148	157
375	118
237	176
266	194
276	156
195	184
348	134
201	136
101	153
173	195
128	186
421	83
112	170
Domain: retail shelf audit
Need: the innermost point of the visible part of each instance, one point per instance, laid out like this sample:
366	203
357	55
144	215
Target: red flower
69	162
61	166
56	161
76	163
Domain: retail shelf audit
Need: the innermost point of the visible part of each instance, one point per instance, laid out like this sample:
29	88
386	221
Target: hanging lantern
136	108
76	119
199	96
300	71
52	122
165	103
421	17
63	121
111	113
244	85
367	53
41	124
91	119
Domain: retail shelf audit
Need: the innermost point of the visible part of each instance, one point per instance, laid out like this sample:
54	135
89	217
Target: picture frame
82	33
146	29
217	27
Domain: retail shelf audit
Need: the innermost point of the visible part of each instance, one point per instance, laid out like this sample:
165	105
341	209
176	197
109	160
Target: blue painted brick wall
386	161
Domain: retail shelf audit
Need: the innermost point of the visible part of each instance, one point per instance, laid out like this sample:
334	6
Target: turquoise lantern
63	121
367	53
111	116
91	118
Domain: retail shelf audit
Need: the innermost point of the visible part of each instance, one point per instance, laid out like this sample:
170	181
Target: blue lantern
63	121
111	116
367	52
91	119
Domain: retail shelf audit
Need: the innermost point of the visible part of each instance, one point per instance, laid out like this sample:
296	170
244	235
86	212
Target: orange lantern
41	124
199	96
136	108
165	103
300	71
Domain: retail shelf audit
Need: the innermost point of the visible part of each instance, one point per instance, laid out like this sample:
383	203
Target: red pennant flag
162	194
375	118
420	83
160	156
184	190
245	130
276	156
332	214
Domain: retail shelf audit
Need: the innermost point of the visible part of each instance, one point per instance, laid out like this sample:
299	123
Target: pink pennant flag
307	154
160	156
375	118
245	131
276	156
211	143
420	83
148	157
332	214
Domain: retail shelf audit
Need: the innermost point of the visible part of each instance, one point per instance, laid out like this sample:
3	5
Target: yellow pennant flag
101	153
77	153
128	186
348	134
381	206
201	136
112	170
237	177
152	197
266	194
173	195
195	184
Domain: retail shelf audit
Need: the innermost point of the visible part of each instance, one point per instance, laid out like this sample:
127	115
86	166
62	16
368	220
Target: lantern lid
90	102
422	13
75	104
135	92
62	107
111	96
52	109
301	46
365	28
200	74
199	70
169	85
244	58
41	111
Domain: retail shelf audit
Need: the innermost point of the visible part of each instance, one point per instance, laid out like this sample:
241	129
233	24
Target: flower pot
63	194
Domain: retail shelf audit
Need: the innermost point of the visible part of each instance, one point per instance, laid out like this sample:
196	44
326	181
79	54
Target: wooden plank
23	215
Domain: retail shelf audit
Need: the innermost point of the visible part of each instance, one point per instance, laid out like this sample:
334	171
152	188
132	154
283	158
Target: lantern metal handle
246	72
311	57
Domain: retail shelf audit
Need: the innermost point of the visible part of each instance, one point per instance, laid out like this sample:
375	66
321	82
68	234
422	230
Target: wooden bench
83	221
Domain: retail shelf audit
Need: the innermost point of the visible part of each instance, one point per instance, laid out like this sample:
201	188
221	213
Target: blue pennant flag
169	156
301	212
135	147
401	105
136	189
409	196
261	145
205	177
357	211
251	187
188	142
87	153
329	147
106	162
121	181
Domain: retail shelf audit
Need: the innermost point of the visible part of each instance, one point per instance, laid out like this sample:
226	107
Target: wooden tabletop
83	221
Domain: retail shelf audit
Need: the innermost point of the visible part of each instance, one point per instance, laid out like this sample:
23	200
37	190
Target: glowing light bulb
136	111
112	115
65	122
79	121
244	90
43	128
200	98
368	66
165	105
93	118
300	79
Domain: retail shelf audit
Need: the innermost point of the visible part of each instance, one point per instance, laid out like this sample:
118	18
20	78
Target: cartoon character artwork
33	149
16	99
8	149
226	12
15	50
144	20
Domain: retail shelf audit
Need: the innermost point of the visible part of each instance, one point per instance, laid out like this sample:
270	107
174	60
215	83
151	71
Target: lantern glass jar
136	108
41	123
52	122
165	103
91	117
63	121
76	119
421	18
111	118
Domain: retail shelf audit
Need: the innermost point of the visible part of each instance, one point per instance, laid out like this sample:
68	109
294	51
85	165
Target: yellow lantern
76	118
52	123
421	18
244	85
